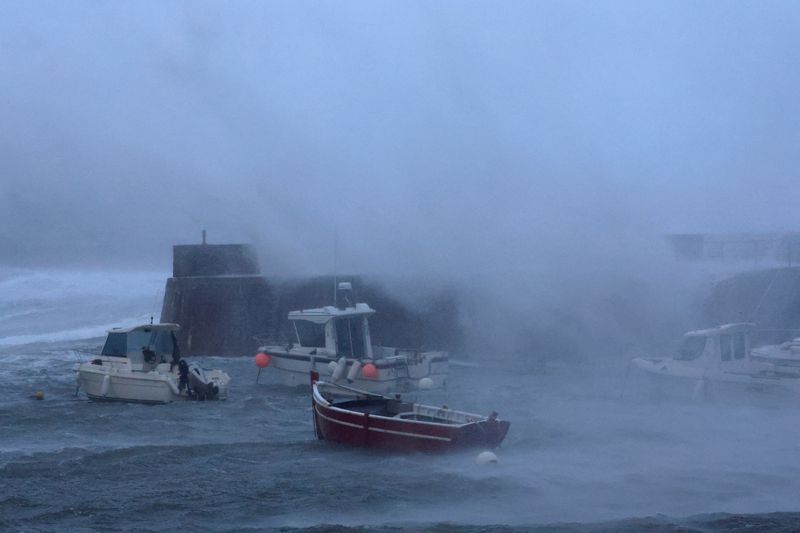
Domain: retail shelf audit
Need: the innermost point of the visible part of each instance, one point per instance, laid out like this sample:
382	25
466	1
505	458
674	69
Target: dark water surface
576	454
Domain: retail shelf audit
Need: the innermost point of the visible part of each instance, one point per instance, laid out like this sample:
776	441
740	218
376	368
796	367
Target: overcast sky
432	135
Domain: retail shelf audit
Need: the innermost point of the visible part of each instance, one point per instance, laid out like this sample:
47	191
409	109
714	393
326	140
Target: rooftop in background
737	247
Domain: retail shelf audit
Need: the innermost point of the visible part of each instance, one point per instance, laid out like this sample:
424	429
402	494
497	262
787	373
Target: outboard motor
201	388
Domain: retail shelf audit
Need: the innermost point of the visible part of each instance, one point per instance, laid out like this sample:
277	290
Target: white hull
106	383
671	378
294	370
784	359
125	386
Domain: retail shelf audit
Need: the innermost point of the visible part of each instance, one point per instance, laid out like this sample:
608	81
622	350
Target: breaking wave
59	306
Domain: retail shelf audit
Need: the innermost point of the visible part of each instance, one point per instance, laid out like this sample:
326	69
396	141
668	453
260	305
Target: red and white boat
359	418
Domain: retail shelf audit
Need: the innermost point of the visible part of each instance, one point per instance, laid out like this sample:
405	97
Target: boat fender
201	386
106	385
700	391
353	374
341	366
486	458
174	386
370	371
331	367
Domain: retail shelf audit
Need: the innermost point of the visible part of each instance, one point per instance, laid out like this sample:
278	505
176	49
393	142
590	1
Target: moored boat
722	358
335	341
359	418
784	358
143	364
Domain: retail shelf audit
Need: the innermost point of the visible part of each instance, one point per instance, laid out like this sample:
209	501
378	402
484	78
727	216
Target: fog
548	144
436	137
531	154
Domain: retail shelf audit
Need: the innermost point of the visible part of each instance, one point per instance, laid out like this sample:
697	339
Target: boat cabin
335	331
725	346
151	344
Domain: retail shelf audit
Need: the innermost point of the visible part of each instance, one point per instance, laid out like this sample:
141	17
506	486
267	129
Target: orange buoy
263	360
369	371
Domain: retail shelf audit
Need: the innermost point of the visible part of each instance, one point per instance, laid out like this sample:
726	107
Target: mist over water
528	156
587	444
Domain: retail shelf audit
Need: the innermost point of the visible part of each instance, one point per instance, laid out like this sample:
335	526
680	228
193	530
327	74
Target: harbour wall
226	307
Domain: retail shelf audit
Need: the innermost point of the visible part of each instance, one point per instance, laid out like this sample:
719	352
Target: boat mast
335	283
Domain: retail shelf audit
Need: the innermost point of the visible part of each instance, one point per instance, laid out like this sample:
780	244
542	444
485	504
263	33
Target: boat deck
391	409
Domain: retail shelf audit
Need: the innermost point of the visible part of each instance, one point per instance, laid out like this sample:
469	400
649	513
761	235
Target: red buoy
263	360
369	371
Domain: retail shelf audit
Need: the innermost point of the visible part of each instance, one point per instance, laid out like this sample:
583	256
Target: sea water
578	450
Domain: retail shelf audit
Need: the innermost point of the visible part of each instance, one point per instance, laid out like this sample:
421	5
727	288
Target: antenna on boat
335	284
757	308
155	303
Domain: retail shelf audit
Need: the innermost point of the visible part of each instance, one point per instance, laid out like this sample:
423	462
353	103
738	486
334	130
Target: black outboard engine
201	388
192	378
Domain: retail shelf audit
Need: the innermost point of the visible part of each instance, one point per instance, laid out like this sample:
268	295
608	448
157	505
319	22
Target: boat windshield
350	337
739	345
725	347
691	348
161	341
310	334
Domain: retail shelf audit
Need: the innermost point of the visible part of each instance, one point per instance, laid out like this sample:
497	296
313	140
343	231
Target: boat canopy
729	342
325	314
156	338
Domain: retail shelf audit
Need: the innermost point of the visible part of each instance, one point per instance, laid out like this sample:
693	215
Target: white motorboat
784	358
721	357
336	343
143	364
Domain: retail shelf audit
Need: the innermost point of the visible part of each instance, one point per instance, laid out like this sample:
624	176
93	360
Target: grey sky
434	135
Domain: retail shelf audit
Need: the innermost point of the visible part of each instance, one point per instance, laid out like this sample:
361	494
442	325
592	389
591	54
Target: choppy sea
580	455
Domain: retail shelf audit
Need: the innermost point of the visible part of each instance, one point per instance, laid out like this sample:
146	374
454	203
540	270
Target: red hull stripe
381	430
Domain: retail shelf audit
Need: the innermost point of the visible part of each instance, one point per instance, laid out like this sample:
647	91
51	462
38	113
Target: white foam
59	284
47	306
87	332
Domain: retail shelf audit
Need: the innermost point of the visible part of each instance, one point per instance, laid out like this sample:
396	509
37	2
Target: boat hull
398	435
293	369
138	387
127	388
664	379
